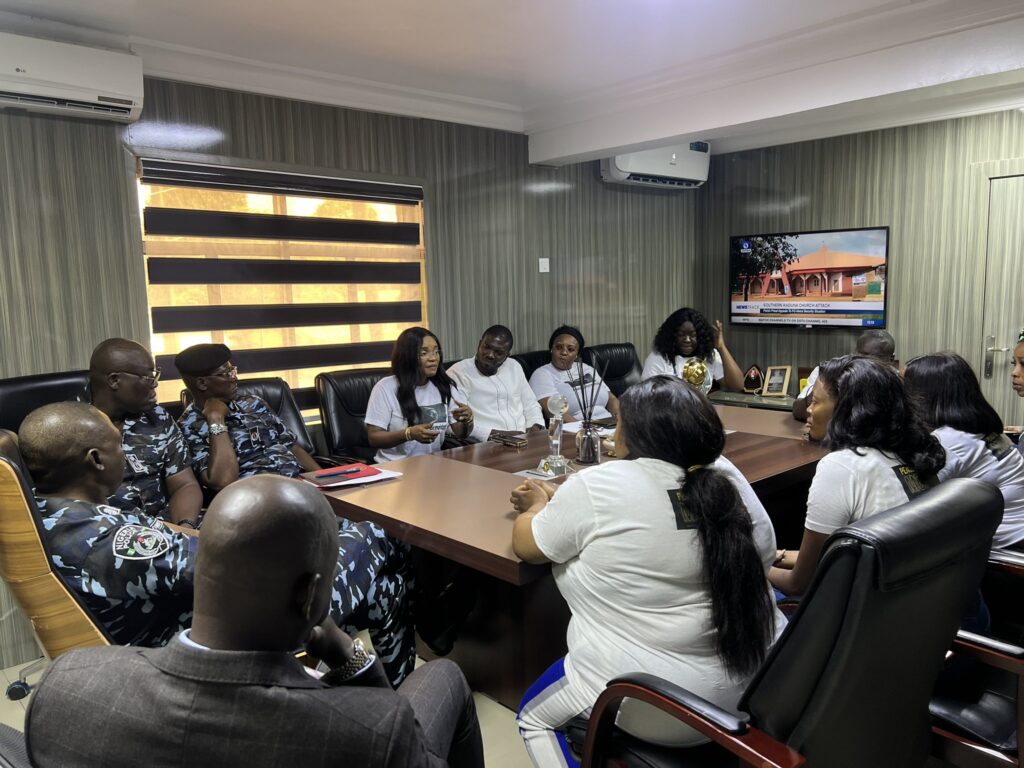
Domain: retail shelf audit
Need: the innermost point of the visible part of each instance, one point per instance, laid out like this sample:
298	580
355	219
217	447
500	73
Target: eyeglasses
230	373
425	353
149	379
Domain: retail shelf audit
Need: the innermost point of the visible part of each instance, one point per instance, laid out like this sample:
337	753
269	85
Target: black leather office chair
848	683
22	395
977	711
624	369
343	399
531	361
278	395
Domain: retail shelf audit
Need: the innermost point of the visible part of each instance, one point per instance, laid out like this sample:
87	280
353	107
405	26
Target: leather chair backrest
848	683
531	361
22	395
59	619
624	369
278	395
343	399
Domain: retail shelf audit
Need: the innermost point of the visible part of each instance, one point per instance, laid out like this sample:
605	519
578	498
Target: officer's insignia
137	542
136	464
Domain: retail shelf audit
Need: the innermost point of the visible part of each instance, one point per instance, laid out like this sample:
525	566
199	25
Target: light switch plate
544	265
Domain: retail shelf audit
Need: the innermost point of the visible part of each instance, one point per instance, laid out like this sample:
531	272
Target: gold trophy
695	373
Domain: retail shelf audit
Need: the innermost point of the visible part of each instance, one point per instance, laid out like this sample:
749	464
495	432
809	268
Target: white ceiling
583	77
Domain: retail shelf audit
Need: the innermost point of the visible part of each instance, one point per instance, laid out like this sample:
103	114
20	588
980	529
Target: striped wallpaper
621	258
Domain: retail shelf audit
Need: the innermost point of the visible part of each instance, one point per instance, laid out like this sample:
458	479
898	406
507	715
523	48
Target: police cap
201	359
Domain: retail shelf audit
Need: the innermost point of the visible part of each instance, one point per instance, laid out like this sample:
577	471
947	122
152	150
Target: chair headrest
930	531
23	394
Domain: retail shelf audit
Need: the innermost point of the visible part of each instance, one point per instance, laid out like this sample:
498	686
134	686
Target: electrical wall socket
544	265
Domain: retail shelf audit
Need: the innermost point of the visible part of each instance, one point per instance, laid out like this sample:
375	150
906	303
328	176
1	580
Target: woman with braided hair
687	335
662	559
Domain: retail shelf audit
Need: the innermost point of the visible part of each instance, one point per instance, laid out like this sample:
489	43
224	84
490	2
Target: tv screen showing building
829	278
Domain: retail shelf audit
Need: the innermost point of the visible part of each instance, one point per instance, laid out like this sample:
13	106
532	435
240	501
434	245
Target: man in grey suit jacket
230	692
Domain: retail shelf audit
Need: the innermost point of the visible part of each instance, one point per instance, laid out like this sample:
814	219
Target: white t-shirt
635	583
548	380
384	411
656	365
806	391
503	401
992	459
850	485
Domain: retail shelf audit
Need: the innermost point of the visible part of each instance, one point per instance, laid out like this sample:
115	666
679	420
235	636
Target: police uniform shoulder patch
685	520
912	483
138	542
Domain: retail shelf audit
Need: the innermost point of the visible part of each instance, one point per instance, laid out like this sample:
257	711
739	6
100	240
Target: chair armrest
988	650
734	733
327	461
1007	560
340	459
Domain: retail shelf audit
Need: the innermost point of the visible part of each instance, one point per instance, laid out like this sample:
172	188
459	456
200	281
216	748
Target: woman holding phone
410	412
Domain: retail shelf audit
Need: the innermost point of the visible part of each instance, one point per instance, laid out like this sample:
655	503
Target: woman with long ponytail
663	561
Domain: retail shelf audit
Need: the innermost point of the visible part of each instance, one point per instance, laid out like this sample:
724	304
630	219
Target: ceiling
583	78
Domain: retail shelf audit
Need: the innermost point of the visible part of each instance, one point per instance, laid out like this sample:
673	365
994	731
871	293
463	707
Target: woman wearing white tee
882	455
410	412
662	559
686	334
971	432
576	381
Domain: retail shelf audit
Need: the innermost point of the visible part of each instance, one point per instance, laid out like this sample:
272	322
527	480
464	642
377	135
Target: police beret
201	359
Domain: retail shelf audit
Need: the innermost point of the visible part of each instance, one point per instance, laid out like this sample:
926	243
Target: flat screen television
830	278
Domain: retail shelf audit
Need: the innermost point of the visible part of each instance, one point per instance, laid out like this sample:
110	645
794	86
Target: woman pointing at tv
687	346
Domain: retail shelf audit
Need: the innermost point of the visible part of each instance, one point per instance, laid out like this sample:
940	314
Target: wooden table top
456	503
454	509
761	422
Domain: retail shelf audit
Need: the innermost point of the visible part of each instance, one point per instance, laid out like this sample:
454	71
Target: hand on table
531	493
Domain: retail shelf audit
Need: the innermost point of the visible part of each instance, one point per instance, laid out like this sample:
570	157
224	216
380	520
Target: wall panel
915	179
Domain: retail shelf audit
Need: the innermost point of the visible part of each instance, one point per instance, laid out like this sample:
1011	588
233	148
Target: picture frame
776	381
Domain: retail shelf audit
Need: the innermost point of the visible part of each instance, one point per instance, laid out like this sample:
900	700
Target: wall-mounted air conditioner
65	79
680	167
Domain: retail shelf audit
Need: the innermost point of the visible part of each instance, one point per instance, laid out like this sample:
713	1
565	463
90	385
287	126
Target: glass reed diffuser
588	439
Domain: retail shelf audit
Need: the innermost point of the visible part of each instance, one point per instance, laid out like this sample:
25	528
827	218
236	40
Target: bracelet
407	436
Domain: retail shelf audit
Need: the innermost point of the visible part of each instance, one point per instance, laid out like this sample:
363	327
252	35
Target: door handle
990	350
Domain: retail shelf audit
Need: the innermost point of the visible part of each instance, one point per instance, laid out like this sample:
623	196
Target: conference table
456	505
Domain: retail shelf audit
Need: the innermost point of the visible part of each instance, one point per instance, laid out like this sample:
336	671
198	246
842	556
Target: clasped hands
532	493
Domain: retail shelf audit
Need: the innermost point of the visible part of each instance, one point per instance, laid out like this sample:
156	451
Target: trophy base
553	466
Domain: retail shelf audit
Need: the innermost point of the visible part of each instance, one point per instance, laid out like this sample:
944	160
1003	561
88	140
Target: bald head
266	540
57	441
113	355
877	344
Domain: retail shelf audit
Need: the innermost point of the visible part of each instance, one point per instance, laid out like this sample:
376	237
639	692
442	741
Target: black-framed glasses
230	373
149	379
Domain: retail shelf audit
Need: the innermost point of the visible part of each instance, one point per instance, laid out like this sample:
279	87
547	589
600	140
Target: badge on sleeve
137	542
135	463
254	437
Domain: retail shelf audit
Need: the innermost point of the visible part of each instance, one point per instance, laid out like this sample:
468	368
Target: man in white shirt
874	343
496	387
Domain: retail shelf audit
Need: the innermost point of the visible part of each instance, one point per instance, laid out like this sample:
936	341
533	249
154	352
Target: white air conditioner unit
65	79
680	167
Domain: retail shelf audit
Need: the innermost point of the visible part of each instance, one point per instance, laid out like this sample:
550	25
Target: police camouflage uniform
136	577
154	450
261	440
375	583
133	575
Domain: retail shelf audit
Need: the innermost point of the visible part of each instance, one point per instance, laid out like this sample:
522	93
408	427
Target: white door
1004	293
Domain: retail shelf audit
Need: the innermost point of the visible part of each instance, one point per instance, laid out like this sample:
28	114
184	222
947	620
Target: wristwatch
360	661
217	429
